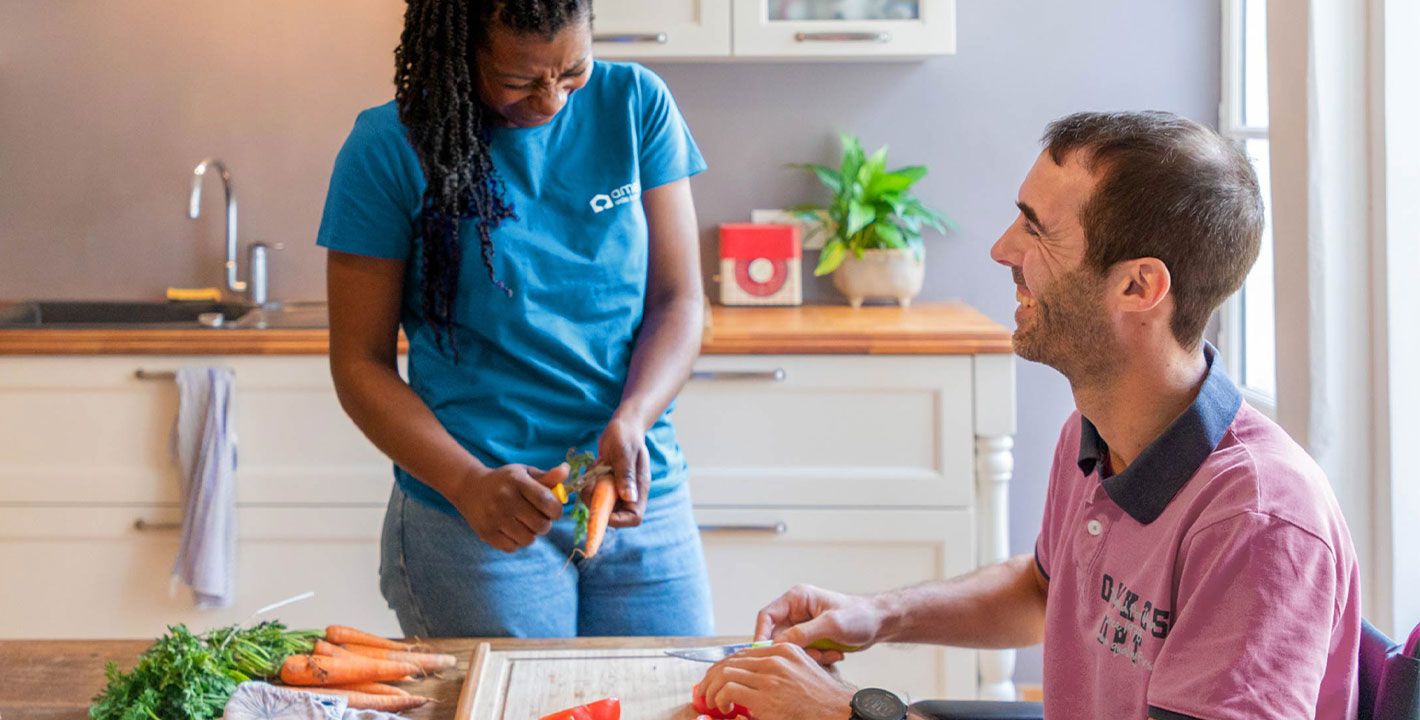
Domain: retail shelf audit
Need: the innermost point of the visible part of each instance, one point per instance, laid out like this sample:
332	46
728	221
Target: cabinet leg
994	465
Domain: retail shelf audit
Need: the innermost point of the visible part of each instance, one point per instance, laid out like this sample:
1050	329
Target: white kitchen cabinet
774	29
754	555
855	472
682	29
844	28
103	571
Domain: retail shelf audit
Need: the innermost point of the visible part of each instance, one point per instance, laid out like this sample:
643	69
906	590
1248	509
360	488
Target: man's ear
1141	284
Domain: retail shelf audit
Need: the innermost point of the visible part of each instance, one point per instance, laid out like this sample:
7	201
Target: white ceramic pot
891	274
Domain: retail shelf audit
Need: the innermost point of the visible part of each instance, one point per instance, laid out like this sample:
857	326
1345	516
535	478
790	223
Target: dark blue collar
1147	486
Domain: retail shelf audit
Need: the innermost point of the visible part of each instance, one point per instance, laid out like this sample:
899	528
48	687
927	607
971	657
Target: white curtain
1327	64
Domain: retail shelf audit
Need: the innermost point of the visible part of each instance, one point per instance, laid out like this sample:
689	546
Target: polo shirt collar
1147	486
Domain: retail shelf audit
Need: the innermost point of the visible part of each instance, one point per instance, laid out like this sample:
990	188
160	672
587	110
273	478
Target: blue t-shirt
541	371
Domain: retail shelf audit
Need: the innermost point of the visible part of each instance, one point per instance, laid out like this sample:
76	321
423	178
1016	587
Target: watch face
876	704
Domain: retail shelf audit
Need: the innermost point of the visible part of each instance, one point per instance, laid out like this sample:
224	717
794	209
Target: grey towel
205	447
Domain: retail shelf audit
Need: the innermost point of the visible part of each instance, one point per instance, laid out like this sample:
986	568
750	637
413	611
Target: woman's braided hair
436	89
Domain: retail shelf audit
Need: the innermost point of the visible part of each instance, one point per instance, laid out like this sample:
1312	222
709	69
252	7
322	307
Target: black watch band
877	704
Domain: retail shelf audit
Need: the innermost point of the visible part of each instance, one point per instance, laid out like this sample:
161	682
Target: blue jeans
442	581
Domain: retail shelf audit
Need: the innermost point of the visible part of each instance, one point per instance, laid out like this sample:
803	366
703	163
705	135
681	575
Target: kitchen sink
62	314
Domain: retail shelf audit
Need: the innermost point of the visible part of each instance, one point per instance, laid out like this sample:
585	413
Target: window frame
1230	124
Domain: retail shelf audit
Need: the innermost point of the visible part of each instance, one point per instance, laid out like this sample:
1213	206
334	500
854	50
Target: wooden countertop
56	679
924	329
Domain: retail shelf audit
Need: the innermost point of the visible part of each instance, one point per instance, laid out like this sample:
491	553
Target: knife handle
828	645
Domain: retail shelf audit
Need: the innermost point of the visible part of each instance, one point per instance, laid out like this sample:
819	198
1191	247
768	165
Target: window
1248	323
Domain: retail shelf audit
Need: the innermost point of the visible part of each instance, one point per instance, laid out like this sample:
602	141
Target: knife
716	653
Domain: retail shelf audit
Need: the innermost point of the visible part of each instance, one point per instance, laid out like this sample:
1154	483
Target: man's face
527	79
1062	319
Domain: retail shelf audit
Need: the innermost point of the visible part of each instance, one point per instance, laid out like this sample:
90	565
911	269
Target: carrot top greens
183	675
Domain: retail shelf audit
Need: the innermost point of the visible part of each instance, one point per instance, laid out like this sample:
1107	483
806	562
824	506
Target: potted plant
873	226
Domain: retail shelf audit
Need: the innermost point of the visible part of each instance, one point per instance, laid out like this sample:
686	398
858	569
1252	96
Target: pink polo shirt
1214	578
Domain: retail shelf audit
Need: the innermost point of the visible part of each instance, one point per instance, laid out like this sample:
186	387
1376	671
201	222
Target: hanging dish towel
205	447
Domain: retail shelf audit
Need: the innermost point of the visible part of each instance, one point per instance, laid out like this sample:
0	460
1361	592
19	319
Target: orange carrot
342	670
429	662
370	701
344	635
603	498
371	688
329	649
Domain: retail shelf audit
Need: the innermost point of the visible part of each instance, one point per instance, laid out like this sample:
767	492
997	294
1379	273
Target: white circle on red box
761	270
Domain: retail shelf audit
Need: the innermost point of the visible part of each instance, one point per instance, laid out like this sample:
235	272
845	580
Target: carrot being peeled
603	499
341	670
429	662
345	635
370	701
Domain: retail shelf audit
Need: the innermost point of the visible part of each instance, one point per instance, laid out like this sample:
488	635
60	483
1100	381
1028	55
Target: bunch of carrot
359	665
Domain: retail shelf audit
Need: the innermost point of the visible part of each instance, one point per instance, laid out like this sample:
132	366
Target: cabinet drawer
660	29
829	431
89	572
756	555
85	430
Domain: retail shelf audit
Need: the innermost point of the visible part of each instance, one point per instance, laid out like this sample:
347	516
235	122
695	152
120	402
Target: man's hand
778	682
807	613
623	447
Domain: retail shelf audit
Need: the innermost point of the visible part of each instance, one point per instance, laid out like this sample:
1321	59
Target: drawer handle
774	528
657	38
775	375
142	525
141	374
875	37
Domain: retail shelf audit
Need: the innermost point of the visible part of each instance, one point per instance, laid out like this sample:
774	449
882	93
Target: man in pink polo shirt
1192	561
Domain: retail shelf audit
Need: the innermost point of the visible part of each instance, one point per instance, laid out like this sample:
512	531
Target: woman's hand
508	507
623	447
779	682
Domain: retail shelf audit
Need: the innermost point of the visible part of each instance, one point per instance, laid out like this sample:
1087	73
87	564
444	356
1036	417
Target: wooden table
56	679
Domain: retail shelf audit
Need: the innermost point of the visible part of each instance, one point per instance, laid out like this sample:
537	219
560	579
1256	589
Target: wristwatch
877	704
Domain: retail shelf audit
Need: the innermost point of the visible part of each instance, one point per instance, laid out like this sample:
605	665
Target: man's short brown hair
1171	189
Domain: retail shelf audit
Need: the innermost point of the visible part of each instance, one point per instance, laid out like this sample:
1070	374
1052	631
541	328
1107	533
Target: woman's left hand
623	447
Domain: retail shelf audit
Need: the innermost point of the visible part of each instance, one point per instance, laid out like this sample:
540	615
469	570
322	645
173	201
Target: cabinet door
755	555
662	29
829	431
844	28
86	572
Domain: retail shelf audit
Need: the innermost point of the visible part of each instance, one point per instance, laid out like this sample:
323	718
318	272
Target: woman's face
526	79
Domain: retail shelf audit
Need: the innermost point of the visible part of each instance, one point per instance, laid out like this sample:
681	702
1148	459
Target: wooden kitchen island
56	679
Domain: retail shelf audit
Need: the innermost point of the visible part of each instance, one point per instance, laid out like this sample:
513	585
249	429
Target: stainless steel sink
39	314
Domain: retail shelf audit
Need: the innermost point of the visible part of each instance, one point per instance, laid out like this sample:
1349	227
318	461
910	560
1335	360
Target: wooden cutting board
528	684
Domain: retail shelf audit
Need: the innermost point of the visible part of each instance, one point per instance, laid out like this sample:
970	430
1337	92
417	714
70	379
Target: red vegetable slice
604	709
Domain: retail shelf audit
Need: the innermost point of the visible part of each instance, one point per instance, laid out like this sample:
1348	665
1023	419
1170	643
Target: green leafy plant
871	207
183	675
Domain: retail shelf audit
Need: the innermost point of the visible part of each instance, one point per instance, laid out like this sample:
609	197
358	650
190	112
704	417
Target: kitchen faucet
256	288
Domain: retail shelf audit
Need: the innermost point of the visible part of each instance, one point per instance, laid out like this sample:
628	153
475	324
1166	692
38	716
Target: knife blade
714	653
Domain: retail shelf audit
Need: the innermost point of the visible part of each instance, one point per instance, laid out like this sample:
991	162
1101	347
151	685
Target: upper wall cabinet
775	29
681	29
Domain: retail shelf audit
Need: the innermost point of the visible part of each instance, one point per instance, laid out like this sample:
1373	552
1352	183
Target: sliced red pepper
605	709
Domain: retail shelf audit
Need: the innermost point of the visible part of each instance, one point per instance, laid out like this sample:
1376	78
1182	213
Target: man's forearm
999	606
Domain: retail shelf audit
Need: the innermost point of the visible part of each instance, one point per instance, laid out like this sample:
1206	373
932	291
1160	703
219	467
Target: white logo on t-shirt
620	196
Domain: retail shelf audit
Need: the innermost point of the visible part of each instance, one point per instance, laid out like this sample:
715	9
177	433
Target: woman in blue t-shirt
524	212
